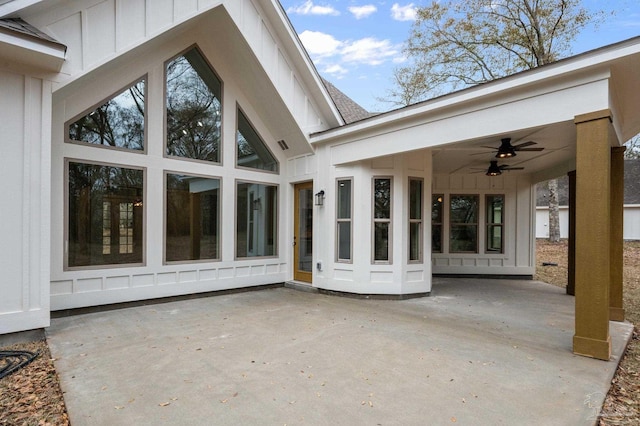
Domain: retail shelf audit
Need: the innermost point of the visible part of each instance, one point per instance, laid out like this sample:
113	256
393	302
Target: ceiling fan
506	150
495	170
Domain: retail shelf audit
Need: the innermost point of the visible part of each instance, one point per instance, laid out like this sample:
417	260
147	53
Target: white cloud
338	56
369	51
308	8
319	44
335	70
360	12
403	13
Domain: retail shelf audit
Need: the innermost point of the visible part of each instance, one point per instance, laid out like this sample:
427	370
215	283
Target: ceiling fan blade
524	144
530	149
489	147
513	168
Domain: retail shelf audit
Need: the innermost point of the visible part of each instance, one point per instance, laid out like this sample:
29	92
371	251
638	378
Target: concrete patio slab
477	351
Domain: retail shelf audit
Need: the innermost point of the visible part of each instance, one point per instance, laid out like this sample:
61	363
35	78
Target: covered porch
572	118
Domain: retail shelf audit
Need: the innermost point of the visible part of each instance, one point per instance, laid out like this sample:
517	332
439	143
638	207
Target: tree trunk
554	213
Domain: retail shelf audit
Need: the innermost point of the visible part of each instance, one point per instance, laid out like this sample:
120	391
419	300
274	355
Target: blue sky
356	44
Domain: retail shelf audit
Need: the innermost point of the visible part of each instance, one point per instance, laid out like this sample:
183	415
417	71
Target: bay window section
382	201
415	220
251	151
105	215
437	201
463	218
343	220
116	123
495	223
192	218
256	220
193	108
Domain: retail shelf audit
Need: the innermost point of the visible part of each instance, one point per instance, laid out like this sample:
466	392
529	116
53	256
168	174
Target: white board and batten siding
25	108
97	31
361	275
518	255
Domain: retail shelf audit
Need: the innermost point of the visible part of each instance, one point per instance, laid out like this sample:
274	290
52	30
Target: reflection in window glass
495	223
344	195
193	205
193	108
119	122
415	220
105	215
251	150
437	200
381	219
463	218
256	219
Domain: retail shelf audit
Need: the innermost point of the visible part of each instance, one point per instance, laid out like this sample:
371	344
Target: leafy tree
458	43
633	148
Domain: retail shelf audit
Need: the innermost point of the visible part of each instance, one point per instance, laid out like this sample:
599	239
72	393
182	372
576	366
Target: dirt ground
32	395
622	405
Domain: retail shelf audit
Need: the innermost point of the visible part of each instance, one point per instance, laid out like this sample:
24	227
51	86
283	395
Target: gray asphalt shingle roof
20	26
347	107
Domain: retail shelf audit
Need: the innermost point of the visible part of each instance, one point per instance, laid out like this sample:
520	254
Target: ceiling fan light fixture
493	169
506	150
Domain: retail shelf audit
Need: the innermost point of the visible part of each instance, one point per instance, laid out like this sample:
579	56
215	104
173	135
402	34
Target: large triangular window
251	151
194	110
117	123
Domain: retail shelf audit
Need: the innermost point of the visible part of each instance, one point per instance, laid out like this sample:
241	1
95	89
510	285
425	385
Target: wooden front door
303	232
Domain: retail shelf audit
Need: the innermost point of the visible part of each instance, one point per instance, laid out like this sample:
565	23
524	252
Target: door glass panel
305	245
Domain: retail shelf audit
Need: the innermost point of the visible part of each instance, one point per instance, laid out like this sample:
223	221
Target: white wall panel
24	170
100	31
12	109
131	22
183	8
159	15
69	31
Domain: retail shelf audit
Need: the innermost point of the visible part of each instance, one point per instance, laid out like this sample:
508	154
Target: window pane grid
415	220
105	215
256	220
117	123
463	220
193	108
192	218
495	223
343	220
437	201
382	201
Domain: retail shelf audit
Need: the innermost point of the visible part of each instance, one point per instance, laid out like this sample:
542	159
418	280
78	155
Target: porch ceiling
472	157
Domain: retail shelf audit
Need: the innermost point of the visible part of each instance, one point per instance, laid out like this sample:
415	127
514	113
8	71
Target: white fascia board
464	121
12	7
44	55
303	62
578	65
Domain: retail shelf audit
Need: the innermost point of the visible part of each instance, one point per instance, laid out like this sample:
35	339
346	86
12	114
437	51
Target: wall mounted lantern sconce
320	198
257	204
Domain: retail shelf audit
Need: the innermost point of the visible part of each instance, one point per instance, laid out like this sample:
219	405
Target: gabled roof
631	187
348	108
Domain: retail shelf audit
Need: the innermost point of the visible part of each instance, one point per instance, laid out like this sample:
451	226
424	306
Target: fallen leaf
164	404
118	407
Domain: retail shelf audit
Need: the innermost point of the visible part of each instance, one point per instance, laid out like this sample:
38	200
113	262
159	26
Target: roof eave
593	60
37	53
